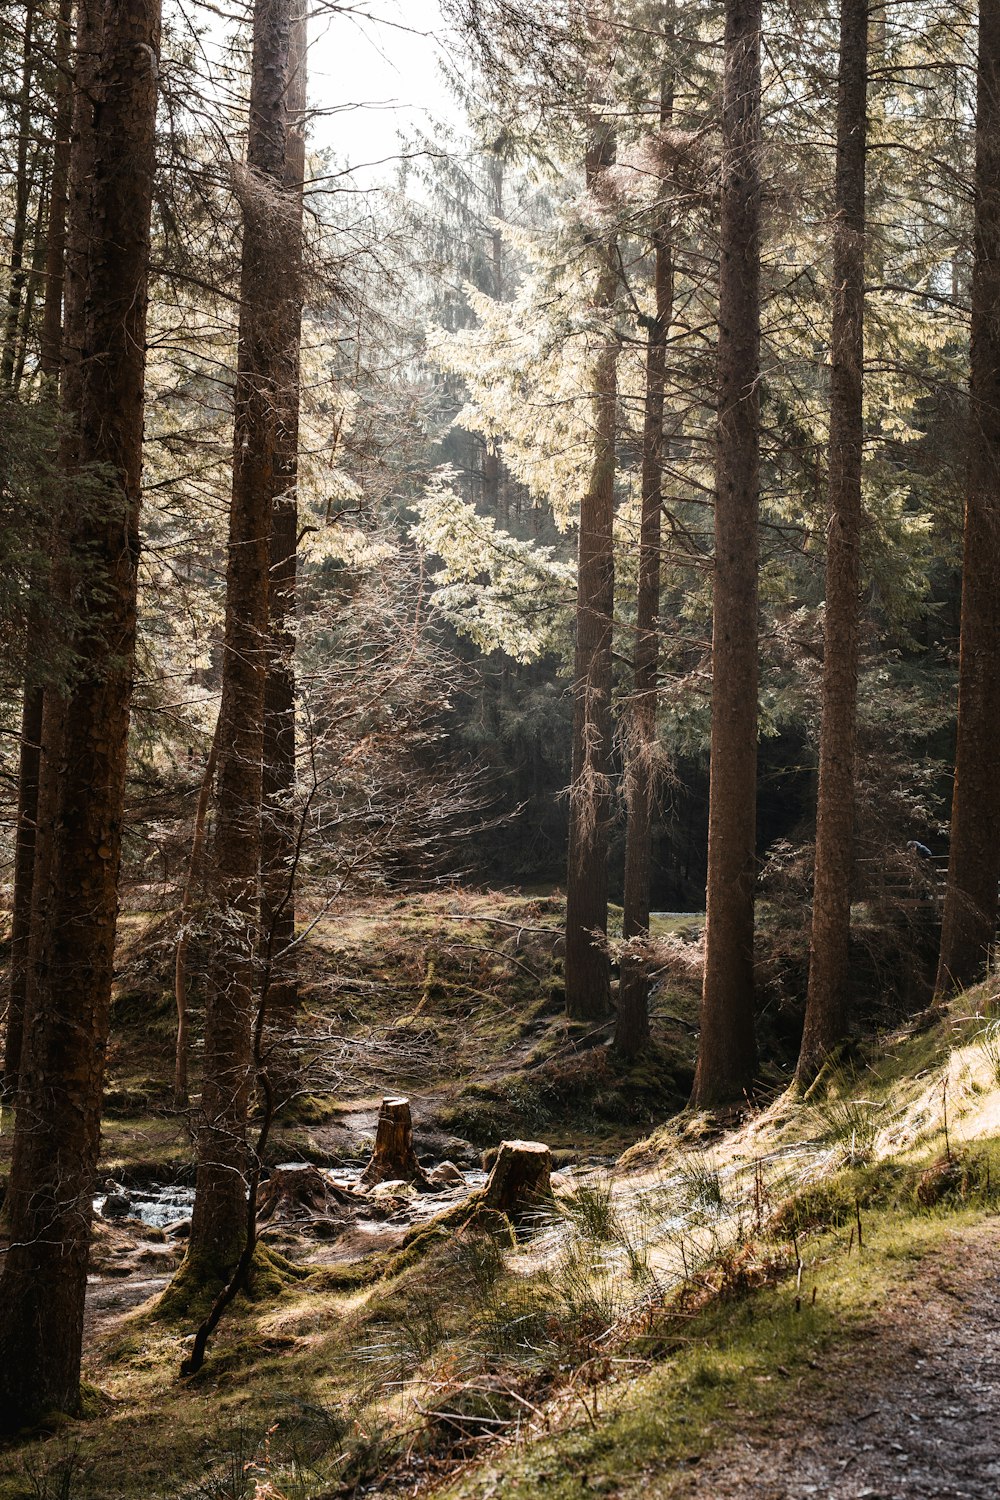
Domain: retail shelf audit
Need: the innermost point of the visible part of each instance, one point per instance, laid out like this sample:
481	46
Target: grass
576	1092
574	1331
688	1381
648	1314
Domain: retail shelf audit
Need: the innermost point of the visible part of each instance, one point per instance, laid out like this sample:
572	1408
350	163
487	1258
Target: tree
588	969
269	303
85	728
826	1004
727	1049
632	1022
33	701
970	909
278	822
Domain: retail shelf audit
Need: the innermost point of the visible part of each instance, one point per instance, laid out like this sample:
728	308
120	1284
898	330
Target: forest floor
895	1399
690	1317
905	1409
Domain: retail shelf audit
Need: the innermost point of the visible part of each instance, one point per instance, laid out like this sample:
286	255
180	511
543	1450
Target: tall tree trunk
588	968
219	1218
194	876
970	908
632	1023
278	830
31	712
85	728
33	275
826	1006
491	453
727	1052
22	195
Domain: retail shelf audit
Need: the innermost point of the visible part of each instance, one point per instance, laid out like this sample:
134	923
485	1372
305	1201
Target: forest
500	755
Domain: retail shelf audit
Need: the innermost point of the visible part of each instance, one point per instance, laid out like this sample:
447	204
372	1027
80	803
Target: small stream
158	1204
163	1205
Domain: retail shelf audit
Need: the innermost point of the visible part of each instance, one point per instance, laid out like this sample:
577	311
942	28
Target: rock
180	1230
116	1206
394	1188
446	1175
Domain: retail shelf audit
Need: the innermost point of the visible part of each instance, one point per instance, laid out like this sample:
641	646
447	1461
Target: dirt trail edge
908	1411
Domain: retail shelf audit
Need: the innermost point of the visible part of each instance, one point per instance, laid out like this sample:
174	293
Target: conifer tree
970	909
81	793
588	970
269	303
278	824
826	1005
727	1049
632	1021
32	706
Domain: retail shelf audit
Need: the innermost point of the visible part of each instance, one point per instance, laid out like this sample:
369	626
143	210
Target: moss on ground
699	1376
580	1091
332	1376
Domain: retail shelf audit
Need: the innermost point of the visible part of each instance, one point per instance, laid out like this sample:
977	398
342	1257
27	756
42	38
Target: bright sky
373	71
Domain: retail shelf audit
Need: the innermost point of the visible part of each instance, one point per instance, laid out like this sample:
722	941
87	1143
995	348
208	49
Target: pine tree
970	909
588	969
33	703
727	1049
826	1005
632	1022
279	824
85	728
271	232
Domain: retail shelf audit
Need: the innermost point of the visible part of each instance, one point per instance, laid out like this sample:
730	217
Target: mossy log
520	1179
394	1159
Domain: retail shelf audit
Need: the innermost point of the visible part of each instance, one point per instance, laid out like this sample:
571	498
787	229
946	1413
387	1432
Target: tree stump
394	1158
292	1193
520	1179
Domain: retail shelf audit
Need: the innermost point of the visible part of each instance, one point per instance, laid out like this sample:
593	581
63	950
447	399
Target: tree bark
85	727
271	220
24	868
970	907
632	1022
727	1051
826	1005
23	183
195	870
31	712
588	968
279	826
394	1157
520	1179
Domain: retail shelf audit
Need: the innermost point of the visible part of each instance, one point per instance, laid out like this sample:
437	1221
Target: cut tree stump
292	1193
520	1179
394	1158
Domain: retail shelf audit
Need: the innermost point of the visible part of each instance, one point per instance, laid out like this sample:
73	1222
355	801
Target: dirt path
907	1413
